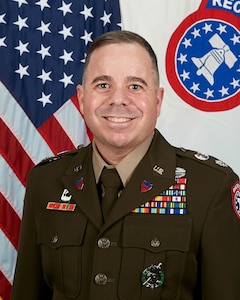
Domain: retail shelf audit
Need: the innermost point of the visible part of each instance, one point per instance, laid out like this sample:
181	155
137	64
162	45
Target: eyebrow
102	78
137	79
129	79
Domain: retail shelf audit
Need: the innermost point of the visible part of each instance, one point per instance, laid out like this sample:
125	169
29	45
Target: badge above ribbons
205	46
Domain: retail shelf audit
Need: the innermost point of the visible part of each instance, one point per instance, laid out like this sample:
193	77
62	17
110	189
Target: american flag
42	52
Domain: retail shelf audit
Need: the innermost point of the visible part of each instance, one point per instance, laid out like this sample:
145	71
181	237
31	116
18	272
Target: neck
112	156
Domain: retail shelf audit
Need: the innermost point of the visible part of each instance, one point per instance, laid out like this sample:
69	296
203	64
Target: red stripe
76	103
5	287
14	154
55	136
9	221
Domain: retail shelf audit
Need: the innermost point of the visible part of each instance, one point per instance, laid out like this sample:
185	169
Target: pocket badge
153	276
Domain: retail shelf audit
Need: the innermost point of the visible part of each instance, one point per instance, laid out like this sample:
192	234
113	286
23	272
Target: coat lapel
85	193
156	168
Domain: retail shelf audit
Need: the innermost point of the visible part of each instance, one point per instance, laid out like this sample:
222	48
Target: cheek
147	105
86	103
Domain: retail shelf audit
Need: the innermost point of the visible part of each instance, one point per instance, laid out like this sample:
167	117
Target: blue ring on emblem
207	50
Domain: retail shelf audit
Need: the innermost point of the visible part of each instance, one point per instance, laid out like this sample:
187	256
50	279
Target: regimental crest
79	184
236	198
203	58
146	186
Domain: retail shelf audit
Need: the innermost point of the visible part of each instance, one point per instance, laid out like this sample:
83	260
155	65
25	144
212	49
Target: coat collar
156	168
86	195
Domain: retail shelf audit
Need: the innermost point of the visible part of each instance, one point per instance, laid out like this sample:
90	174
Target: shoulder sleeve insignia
236	198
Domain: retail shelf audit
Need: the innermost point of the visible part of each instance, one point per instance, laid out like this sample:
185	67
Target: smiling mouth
118	119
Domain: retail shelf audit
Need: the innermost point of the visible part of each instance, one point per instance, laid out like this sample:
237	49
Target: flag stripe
5	287
21	126
75	129
11	188
9	145
89	136
55	136
10	225
8	256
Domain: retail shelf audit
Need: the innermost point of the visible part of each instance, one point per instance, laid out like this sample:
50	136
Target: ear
80	93
160	94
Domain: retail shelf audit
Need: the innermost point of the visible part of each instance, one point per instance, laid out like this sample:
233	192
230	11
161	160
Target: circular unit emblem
203	64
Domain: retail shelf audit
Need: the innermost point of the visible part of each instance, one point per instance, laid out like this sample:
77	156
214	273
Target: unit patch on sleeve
236	198
170	202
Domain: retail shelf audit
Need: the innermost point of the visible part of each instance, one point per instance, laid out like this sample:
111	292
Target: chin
122	142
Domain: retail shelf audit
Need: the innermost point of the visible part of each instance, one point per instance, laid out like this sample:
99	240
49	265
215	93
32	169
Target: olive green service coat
68	253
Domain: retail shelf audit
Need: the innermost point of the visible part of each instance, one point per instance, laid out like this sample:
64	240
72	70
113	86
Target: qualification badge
153	276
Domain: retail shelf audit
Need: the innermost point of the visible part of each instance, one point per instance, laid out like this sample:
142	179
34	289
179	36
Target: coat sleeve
220	245
28	282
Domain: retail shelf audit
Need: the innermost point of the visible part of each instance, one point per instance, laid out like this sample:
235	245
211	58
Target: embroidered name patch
170	202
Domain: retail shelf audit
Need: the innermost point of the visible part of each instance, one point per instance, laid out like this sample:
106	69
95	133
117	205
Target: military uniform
172	234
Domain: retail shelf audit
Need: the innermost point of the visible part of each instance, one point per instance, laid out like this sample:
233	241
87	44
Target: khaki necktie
112	184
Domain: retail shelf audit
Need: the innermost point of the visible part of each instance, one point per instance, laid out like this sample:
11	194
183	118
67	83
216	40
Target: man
173	230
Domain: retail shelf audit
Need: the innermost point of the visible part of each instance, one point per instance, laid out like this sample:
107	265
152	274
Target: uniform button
104	243
54	239
101	279
155	243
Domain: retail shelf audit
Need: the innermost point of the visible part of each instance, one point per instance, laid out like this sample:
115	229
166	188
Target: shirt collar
126	166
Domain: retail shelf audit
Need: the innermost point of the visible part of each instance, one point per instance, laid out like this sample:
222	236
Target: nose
119	97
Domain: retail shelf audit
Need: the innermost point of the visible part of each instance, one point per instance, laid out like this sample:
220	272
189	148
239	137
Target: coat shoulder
204	160
59	156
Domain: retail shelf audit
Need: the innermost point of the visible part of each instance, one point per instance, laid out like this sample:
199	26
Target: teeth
118	120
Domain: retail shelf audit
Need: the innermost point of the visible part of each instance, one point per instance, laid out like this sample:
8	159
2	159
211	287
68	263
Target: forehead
119	59
120	51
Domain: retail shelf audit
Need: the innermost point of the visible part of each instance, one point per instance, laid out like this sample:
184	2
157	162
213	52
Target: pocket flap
61	229
157	233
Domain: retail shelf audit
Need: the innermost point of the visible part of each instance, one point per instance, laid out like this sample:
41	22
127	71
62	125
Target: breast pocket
157	241
60	235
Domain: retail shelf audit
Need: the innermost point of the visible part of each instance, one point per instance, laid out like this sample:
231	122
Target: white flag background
214	133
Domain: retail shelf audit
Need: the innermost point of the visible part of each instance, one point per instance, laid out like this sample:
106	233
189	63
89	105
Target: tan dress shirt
126	166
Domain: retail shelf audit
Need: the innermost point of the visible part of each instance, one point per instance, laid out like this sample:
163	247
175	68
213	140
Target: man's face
120	99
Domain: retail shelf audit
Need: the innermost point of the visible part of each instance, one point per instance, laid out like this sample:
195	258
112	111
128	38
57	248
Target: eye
103	85
135	87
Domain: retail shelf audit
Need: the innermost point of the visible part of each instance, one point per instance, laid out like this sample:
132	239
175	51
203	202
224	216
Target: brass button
104	243
101	279
155	243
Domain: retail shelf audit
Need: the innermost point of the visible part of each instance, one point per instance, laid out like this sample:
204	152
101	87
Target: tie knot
110	178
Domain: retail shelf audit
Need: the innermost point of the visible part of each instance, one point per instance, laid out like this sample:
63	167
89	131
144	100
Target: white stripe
22	127
8	256
72	122
11	187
